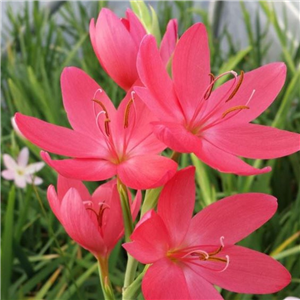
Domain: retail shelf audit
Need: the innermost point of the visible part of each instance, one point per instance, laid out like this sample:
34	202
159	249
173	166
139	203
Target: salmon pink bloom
212	124
116	43
104	141
190	255
94	221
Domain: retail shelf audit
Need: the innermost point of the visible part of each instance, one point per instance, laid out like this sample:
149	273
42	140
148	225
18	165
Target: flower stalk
104	278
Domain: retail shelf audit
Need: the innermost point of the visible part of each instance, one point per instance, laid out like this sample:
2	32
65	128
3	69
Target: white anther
222	241
87	202
234	73
227	264
98	91
132	94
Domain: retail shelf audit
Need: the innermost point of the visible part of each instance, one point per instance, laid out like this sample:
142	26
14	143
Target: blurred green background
38	259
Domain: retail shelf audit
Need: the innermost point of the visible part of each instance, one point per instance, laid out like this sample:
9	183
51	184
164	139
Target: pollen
126	115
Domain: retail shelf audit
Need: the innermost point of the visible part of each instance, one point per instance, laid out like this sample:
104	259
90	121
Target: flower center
99	214
206	256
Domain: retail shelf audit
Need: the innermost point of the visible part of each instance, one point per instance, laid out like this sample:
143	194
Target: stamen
127	110
102	106
222	241
234	109
99	90
237	86
227	264
252	94
87	202
106	126
210	87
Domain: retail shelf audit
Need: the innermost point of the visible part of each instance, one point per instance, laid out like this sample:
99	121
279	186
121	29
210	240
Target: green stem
134	289
128	223
104	278
130	271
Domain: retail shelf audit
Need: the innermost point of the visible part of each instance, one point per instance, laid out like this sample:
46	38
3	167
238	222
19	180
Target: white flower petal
36	180
33	168
20	181
9	162
8	174
23	157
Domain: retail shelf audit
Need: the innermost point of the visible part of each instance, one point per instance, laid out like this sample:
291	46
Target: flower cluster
184	112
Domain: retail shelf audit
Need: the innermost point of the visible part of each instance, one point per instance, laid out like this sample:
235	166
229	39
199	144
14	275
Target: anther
127	110
222	241
239	107
102	106
106	126
237	87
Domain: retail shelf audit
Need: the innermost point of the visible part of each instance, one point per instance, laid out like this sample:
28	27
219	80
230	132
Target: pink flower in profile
94	221
20	171
104	141
190	255
116	43
212	124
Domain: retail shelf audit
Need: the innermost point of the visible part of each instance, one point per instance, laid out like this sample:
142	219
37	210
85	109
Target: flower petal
226	162
78	90
23	157
154	76
135	27
33	168
165	280
233	217
176	137
54	201
169	41
112	38
9	162
82	169
191	68
57	139
64	184
8	174
20	181
250	272
254	141
198	287
176	204
150	239
79	225
267	82
146	171
136	204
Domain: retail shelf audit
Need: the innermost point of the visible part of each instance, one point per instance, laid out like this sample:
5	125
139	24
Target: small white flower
19	171
291	298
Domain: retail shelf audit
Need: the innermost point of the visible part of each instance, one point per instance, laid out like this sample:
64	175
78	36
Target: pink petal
176	137
9	162
254	141
23	157
154	76
20	181
226	162
57	139
150	239
79	225
267	82
136	204
93	34
64	184
78	90
176	204
234	218
33	168
198	287
8	174
36	180
116	48
169	41
54	201
191	68
250	272
82	169
146	171
135	27
165	280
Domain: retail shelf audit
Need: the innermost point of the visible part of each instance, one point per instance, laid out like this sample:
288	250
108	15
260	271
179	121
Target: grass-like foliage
39	260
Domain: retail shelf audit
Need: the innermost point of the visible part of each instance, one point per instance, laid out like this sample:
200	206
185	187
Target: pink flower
104	141
95	221
20	171
190	255
212	124
116	43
